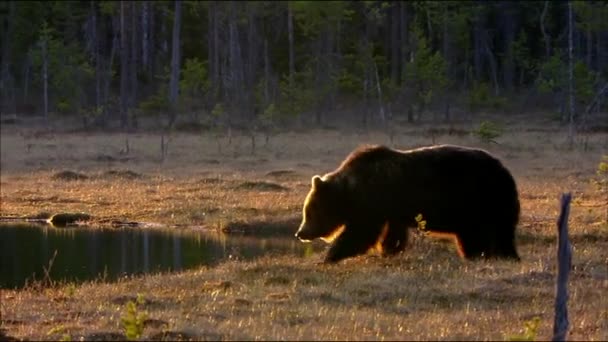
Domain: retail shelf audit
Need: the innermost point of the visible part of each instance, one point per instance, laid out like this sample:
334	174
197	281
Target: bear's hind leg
395	239
505	244
471	246
356	239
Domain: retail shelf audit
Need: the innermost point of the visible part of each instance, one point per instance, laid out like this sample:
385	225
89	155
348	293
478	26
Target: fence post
564	261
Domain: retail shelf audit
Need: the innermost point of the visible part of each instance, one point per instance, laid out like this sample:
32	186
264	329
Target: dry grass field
427	293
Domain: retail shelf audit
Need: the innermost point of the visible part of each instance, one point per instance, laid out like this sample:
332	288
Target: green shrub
133	320
530	331
488	131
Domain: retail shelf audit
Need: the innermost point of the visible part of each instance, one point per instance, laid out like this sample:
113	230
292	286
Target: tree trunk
445	45
144	35
429	28
318	76
492	62
570	75
546	37
252	59
175	56
26	76
381	114
235	60
151	40
339	39
164	44
509	36
212	49
589	41
7	98
599	52
124	66
405	37
478	47
134	54
108	77
96	55
45	77
292	67
446	56
395	43
266	75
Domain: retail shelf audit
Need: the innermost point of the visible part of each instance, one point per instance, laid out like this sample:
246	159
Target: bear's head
323	214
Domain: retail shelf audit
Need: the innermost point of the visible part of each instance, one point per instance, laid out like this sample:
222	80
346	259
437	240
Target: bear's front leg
395	239
356	239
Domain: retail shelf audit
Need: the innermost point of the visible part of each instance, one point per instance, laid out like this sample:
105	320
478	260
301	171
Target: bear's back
445	177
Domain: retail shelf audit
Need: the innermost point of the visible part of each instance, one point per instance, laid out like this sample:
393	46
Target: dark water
87	254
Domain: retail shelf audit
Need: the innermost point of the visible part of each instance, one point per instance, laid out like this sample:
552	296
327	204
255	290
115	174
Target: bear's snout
302	235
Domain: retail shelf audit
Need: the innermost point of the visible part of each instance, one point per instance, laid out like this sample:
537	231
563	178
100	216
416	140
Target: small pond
80	254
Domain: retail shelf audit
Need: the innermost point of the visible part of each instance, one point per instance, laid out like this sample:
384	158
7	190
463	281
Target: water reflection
85	253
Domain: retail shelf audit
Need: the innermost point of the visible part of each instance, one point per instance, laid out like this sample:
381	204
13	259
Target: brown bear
377	193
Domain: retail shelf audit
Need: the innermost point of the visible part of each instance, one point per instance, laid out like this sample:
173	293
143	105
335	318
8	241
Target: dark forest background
120	63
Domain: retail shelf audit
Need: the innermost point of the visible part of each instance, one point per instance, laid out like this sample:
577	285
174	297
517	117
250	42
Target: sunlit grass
428	293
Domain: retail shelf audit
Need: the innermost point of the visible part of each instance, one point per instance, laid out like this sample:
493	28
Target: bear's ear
316	181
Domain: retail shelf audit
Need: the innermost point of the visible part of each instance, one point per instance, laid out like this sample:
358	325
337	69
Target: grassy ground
426	293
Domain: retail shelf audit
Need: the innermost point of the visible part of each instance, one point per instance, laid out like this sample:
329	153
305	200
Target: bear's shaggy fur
377	192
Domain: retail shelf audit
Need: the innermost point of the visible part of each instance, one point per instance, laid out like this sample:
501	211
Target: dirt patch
68	219
184	336
5	337
155	323
282	174
285	226
68	175
597	128
105	336
122	174
43	215
260	186
104	158
217	285
446	131
211	180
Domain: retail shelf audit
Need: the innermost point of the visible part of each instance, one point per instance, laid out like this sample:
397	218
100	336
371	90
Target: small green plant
530	331
218	110
63	106
308	250
154	104
602	168
602	175
70	290
56	330
421	223
481	97
194	81
133	320
488	131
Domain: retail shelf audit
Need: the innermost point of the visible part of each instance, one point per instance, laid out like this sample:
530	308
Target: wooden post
564	261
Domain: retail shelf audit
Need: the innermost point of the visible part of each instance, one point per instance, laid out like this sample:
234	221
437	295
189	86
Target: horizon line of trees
268	61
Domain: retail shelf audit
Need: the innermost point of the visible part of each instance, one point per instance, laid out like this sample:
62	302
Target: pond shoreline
78	253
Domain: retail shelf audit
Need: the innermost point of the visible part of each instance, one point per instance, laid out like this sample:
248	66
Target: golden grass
428	293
